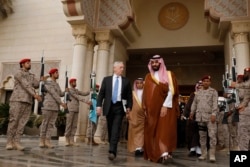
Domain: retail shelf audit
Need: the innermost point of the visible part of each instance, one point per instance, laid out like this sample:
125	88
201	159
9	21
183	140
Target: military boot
212	155
42	143
94	143
67	142
48	144
18	146
9	145
203	153
72	143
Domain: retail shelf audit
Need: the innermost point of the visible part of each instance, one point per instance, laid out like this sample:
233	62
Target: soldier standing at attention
21	103
72	116
244	111
51	107
205	108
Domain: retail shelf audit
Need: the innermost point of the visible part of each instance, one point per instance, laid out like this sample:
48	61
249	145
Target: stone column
88	65
240	31
86	86
241	51
82	34
79	56
104	39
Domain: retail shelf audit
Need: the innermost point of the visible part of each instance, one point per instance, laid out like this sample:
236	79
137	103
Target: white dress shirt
168	101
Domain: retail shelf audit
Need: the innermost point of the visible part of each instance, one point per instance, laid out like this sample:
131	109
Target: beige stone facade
88	35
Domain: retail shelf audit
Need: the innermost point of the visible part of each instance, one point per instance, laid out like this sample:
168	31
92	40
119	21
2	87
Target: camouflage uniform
72	116
20	106
204	105
244	123
232	130
50	109
222	134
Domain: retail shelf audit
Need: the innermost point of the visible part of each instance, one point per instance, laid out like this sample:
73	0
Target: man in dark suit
116	98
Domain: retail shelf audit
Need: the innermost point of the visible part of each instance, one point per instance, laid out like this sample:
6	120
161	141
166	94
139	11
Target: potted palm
61	123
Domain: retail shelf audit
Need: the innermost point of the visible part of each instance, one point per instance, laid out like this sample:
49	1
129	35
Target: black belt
117	103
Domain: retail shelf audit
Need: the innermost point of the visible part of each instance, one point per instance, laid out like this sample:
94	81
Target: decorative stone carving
240	38
240	26
219	9
99	15
8	83
82	33
104	37
5	8
72	7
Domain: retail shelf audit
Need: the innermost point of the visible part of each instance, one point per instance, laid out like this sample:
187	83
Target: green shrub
4	118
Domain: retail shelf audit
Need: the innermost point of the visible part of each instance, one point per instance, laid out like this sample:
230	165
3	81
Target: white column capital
240	38
82	33
242	26
102	36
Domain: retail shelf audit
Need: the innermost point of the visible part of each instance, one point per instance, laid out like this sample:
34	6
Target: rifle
234	94
224	106
41	88
66	94
41	84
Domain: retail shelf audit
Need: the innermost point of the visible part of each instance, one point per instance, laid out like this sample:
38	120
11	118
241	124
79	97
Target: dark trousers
114	121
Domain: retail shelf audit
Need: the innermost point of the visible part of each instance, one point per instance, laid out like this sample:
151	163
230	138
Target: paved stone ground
88	156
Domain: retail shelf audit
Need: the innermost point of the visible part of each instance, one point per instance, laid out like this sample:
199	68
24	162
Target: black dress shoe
192	154
111	156
138	153
198	155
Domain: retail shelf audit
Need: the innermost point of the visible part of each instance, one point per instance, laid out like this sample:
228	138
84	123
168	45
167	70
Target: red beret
72	80
247	69
206	77
53	70
240	76
24	60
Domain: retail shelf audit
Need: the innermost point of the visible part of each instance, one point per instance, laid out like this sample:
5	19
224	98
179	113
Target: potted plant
38	121
4	117
61	123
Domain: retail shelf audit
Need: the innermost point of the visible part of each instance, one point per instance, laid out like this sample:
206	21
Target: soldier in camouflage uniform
222	133
21	103
72	116
232	126
51	107
205	106
244	112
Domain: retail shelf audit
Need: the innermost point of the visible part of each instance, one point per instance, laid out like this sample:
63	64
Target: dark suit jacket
105	94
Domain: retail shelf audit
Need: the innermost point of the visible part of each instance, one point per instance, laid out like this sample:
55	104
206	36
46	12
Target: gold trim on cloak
170	81
137	100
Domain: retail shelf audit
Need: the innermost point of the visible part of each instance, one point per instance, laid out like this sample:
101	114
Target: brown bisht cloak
136	125
160	133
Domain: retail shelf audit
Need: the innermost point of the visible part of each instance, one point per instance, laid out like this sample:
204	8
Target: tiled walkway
88	156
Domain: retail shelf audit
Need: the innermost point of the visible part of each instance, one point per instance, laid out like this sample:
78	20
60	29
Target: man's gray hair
117	63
